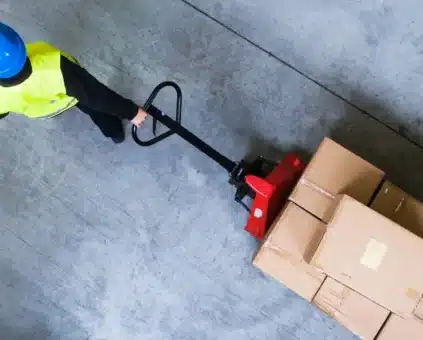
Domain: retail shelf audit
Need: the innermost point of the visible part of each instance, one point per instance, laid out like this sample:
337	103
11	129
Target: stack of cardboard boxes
350	242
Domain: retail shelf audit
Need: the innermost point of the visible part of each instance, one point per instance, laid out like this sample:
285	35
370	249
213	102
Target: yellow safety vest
43	94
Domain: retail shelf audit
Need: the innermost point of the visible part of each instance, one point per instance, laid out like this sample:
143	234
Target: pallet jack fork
266	182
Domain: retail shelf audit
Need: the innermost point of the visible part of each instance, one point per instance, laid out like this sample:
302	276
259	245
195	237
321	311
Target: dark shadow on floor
260	146
37	332
401	159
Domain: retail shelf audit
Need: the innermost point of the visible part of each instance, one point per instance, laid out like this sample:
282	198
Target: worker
40	81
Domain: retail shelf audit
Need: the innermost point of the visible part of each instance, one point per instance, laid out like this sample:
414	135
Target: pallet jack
266	182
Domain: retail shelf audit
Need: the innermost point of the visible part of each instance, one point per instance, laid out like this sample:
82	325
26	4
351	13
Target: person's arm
81	85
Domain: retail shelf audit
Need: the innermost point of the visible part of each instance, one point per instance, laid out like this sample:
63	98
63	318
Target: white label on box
374	254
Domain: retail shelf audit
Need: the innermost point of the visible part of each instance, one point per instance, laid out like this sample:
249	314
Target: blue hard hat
12	52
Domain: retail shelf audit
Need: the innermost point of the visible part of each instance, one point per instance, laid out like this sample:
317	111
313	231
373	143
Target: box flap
297	275
355	312
372	255
400	207
295	233
401	329
332	171
294	237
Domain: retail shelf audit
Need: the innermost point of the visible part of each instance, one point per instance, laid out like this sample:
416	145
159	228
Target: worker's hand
139	118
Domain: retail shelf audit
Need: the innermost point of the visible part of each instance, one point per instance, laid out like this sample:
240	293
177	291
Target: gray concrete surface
117	242
368	52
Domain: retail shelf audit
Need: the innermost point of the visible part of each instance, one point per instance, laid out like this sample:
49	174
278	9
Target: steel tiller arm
265	181
175	127
236	170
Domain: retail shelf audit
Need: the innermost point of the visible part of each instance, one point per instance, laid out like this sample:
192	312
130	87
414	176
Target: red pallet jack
266	182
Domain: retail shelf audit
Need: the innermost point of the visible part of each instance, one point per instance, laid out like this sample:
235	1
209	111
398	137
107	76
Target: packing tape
336	313
281	252
328	308
324	307
270	245
293	260
317	188
345	292
399	205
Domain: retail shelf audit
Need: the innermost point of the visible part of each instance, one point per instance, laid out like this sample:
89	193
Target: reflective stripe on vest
43	94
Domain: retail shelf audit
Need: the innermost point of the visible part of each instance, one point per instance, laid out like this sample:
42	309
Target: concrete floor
106	242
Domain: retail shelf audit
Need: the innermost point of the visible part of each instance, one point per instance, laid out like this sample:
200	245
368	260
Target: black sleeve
81	85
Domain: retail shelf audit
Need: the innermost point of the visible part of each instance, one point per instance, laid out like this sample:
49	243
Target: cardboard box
298	276
355	312
294	237
400	207
374	256
295	233
332	171
401	329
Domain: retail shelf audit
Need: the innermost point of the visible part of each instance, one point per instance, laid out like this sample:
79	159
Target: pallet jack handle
266	182
175	127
